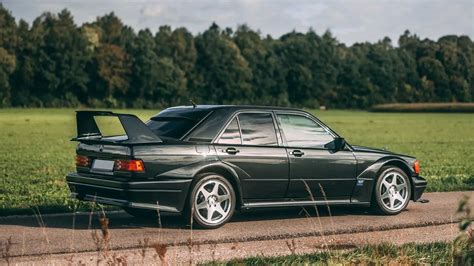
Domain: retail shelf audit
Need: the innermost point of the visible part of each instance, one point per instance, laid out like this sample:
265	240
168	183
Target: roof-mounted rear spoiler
137	132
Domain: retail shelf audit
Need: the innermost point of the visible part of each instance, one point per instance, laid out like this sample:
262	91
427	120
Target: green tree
111	28
223	74
268	81
54	62
433	70
295	50
54	55
8	43
171	84
8	30
177	45
157	81
145	68
7	66
111	74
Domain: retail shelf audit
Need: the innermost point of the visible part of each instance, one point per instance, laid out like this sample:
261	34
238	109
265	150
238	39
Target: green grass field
385	254
36	153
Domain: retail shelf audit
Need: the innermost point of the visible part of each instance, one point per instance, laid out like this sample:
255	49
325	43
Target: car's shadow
121	220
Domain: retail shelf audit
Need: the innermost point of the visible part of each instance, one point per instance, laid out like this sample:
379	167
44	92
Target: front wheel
212	201
392	191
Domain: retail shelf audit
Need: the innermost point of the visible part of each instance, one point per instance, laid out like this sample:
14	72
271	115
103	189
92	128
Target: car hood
379	151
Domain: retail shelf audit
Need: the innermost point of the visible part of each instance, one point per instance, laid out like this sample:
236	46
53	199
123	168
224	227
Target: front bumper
419	186
164	195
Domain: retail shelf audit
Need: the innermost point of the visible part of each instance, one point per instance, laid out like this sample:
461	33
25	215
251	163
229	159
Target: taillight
83	161
416	167
129	165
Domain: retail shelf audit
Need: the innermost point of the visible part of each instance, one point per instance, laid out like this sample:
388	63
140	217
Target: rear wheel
212	201
392	191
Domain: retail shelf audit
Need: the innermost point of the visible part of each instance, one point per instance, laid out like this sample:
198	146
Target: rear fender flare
227	172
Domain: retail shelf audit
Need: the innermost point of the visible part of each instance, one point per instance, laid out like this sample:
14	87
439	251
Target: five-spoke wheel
212	201
392	191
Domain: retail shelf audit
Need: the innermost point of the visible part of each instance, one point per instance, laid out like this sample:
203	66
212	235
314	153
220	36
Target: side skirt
123	203
252	205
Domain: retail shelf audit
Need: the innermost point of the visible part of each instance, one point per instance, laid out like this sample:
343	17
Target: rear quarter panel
174	161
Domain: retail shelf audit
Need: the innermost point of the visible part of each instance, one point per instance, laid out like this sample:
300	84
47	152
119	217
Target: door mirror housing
337	144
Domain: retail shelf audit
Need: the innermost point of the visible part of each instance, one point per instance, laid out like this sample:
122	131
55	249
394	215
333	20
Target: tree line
55	63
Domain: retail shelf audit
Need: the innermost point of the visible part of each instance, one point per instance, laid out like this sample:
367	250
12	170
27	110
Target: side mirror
339	143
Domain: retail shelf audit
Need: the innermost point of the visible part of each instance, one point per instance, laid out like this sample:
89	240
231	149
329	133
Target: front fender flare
365	181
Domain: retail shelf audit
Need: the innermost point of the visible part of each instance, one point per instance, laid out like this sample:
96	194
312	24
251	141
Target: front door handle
297	153
232	150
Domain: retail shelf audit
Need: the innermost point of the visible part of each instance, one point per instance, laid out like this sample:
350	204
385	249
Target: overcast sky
350	21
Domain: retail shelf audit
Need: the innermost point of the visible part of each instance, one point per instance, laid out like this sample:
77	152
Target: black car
207	161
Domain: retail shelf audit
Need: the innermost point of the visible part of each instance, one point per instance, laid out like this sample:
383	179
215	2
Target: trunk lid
110	155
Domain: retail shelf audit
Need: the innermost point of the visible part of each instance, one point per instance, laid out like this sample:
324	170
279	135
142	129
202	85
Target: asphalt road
68	233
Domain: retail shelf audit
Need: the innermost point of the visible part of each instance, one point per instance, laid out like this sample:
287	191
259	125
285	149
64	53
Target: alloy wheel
212	202
393	191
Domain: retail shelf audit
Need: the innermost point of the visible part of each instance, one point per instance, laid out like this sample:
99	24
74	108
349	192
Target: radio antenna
193	103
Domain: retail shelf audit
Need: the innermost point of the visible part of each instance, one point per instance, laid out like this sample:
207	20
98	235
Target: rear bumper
163	195
419	186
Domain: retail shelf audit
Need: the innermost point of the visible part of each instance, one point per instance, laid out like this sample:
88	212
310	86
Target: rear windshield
176	122
171	127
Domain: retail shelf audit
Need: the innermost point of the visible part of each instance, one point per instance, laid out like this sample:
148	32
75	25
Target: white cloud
153	11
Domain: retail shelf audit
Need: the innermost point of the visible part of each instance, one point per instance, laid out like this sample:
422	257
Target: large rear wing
137	132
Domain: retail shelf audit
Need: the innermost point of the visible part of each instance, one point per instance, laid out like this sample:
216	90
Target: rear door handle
232	151
297	153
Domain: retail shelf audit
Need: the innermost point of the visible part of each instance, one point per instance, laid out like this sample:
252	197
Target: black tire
190	211
141	213
379	205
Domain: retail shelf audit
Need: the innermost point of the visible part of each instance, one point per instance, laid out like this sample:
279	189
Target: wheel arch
228	173
397	162
363	191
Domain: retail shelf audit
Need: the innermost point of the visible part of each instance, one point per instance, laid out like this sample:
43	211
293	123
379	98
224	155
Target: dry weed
6	249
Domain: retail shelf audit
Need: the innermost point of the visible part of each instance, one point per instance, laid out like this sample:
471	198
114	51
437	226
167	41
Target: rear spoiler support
137	132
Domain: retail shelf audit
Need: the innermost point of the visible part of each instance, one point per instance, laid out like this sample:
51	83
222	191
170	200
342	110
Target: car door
250	145
327	174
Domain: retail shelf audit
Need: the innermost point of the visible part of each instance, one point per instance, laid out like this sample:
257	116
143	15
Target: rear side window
303	132
257	129
231	134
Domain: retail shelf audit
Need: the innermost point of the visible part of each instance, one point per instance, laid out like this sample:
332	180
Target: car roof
199	111
232	107
219	114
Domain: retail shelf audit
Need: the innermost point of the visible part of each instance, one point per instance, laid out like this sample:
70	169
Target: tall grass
438	253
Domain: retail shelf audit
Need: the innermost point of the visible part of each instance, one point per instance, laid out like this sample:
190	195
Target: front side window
303	132
257	129
231	134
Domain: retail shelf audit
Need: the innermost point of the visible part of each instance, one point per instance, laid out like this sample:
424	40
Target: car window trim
235	115
195	126
240	129
225	129
304	114
310	116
